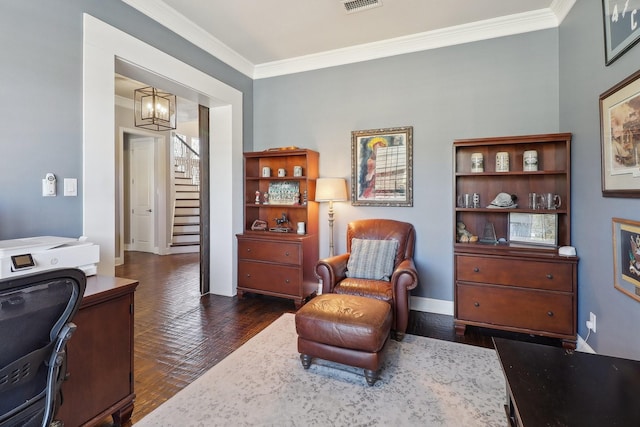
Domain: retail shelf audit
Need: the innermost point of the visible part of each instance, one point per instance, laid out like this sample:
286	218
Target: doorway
106	46
141	183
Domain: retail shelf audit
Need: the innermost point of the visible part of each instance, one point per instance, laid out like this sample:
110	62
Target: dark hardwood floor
179	334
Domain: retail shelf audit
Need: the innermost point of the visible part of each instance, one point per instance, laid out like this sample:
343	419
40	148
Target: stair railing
186	160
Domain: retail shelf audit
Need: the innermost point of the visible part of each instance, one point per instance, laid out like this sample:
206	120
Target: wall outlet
591	323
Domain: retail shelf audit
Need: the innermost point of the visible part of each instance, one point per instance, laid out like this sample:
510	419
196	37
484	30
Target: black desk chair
35	314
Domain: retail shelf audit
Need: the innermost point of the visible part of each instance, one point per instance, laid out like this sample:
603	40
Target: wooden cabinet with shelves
516	286
278	261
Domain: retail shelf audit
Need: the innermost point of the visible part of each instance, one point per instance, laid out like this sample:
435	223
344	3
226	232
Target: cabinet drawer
269	277
279	252
520	308
515	272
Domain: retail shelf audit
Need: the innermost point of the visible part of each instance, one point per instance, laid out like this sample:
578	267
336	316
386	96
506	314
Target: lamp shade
331	190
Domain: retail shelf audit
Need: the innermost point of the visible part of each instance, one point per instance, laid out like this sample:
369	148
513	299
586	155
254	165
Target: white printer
33	254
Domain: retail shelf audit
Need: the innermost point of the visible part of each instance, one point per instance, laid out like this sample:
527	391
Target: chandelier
154	109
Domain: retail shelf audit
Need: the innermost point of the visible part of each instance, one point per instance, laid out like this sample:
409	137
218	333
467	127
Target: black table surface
551	386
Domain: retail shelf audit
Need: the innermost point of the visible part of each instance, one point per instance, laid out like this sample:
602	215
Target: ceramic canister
477	162
301	228
530	161
502	161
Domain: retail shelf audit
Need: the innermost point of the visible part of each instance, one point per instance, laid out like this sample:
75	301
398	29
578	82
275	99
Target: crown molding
176	22
460	34
482	30
561	8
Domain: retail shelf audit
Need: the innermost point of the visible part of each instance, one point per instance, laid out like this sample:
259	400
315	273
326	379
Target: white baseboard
430	305
583	346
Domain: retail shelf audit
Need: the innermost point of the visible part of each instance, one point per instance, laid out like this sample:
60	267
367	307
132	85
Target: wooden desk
550	386
100	355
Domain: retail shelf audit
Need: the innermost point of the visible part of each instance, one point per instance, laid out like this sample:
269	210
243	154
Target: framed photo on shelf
533	229
621	29
626	256
620	138
382	167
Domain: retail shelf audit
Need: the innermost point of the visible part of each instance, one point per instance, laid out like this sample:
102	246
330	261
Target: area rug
424	382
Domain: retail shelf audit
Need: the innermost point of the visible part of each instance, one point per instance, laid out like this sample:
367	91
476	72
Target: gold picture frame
382	167
620	137
626	256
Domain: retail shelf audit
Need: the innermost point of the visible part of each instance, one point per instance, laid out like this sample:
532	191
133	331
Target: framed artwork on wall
626	257
620	138
382	167
534	229
621	29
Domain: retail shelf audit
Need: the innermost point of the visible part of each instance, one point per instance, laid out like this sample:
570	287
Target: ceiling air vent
352	6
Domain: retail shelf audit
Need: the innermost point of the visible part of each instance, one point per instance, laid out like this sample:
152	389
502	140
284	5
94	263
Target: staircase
185	236
186	216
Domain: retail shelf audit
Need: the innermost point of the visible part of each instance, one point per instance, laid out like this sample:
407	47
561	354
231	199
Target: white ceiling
264	38
258	37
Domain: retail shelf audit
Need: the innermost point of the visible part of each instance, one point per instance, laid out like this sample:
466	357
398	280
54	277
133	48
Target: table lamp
331	190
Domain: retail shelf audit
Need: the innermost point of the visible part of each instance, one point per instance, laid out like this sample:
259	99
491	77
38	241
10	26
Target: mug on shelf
301	228
477	162
552	201
476	200
297	171
536	201
466	200
530	161
282	172
502	161
266	171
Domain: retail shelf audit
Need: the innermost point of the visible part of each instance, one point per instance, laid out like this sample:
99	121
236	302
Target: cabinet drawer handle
550	313
248	249
476	304
286	253
476	269
248	275
286	281
549	276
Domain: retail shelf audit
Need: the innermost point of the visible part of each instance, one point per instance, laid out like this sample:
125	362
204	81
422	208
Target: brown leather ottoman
346	329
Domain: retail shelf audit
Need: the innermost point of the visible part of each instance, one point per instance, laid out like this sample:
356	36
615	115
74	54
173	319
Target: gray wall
41	109
540	82
506	86
583	77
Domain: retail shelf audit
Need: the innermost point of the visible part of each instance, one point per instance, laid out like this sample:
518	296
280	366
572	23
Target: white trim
102	46
561	8
429	305
583	346
179	24
482	30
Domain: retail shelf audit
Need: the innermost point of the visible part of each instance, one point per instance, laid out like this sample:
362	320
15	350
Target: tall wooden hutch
516	286
277	260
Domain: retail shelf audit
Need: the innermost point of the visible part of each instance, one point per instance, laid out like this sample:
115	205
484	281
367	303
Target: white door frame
103	45
161	204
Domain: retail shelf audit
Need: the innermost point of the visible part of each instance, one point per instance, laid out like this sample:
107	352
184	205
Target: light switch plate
70	187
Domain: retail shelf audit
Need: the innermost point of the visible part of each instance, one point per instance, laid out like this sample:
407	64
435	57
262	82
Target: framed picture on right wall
620	138
621	29
626	256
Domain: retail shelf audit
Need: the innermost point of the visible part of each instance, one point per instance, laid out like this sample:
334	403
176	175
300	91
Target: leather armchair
332	270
